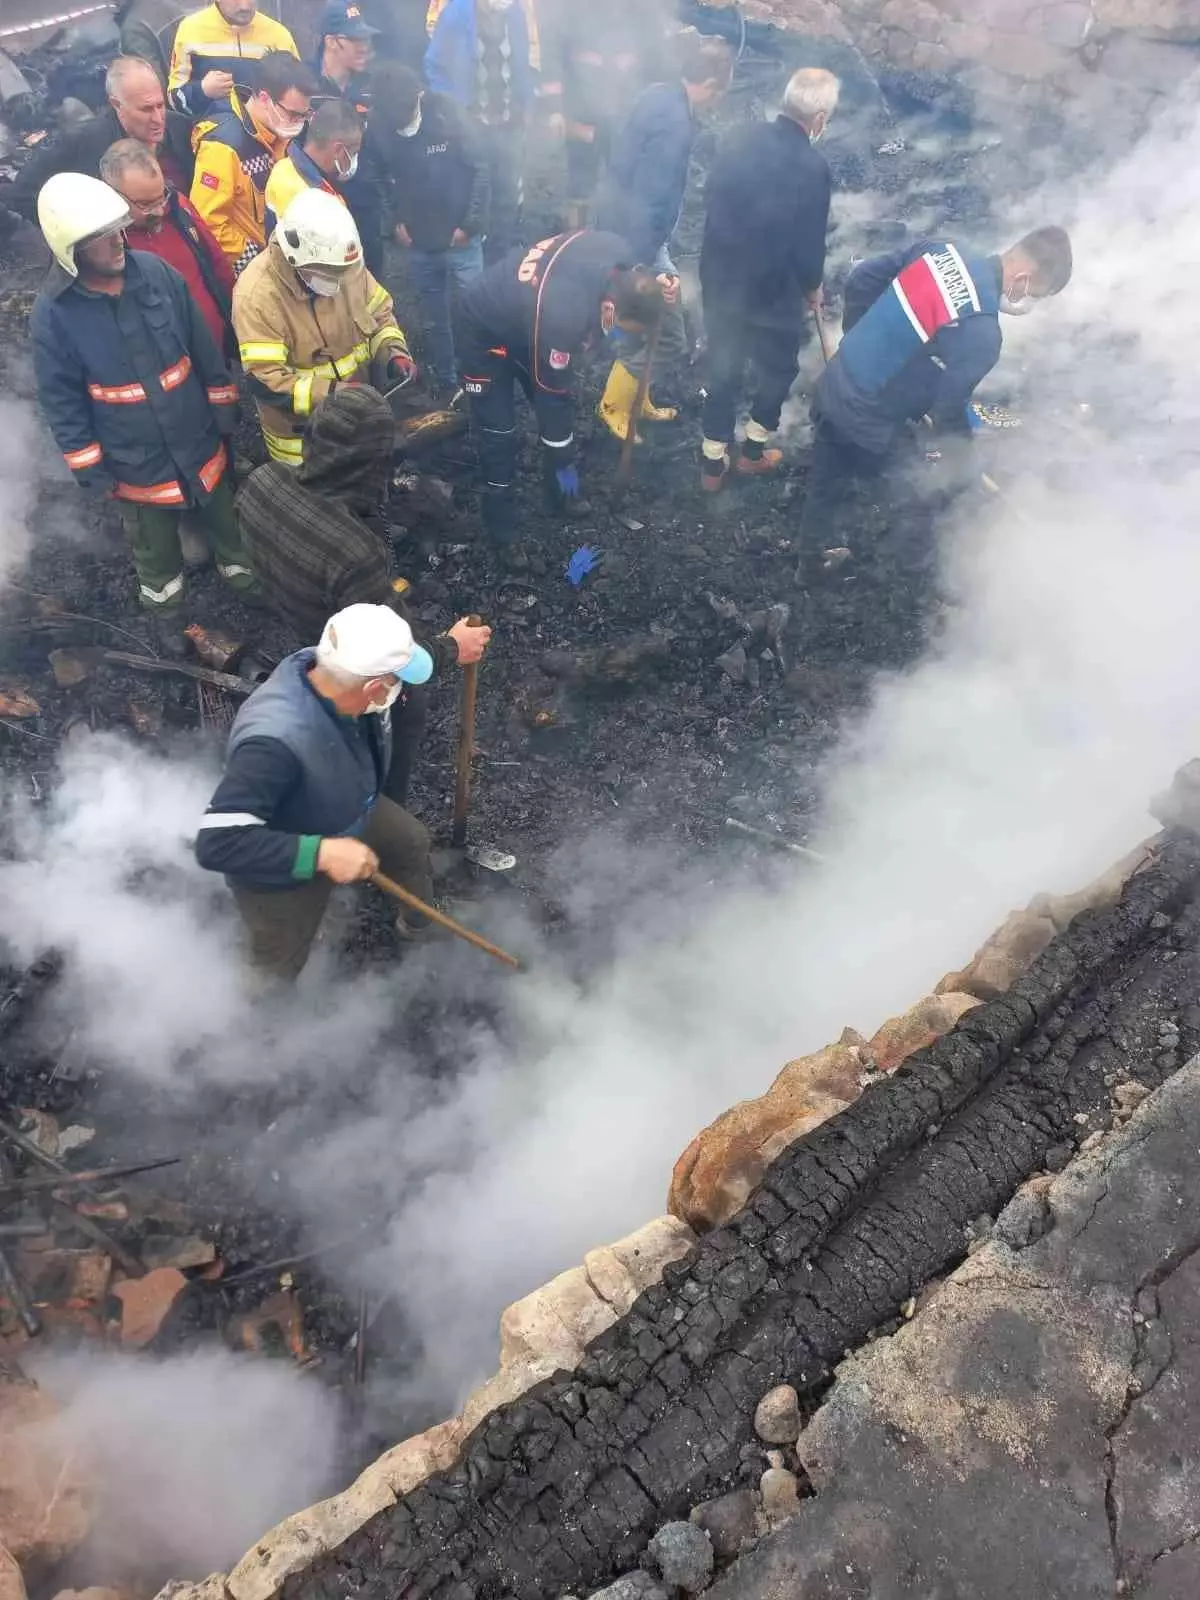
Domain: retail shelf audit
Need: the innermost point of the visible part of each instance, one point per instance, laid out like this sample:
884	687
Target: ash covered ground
607	732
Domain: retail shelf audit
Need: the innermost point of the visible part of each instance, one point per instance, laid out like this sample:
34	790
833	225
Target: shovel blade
483	855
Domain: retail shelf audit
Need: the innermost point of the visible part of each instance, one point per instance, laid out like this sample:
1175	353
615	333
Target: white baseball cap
374	642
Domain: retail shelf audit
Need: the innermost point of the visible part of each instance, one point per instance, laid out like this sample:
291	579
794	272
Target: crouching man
300	807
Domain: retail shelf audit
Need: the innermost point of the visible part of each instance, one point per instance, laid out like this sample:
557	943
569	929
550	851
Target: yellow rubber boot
652	413
616	403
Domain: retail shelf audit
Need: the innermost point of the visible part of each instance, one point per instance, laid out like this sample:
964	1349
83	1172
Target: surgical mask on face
414	127
393	694
321	283
346	166
1021	306
282	122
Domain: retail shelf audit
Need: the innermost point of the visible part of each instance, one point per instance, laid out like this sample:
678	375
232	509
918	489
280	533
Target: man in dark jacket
300	806
641	198
437	194
317	543
137	109
525	321
922	331
762	263
596	59
135	392
165	224
346	40
479	55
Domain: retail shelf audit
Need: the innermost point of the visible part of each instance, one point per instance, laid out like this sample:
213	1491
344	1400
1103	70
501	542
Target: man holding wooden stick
300	806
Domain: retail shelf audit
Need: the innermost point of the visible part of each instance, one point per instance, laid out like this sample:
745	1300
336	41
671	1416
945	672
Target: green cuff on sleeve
306	856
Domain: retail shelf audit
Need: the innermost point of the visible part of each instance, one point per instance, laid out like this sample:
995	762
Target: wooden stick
822	335
389	886
625	465
220	680
466	748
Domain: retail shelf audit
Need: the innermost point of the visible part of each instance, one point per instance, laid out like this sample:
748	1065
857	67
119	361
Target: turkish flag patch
560	359
209	180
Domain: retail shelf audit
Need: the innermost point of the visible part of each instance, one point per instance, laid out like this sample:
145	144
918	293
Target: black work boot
498	510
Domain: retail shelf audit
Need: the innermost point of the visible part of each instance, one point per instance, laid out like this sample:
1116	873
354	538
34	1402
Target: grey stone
633	1586
729	1521
777	1416
780	1492
683	1554
1024	1219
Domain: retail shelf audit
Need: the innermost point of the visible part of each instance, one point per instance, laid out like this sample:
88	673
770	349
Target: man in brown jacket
308	316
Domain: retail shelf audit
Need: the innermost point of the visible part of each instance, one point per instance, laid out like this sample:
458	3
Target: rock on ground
683	1554
777	1416
44	1511
730	1521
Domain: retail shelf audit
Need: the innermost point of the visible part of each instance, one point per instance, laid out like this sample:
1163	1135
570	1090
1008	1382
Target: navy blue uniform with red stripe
135	391
928	335
526	320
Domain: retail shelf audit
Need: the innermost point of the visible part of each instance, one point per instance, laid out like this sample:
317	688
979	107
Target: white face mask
499	5
393	695
321	284
1017	308
414	127
346	170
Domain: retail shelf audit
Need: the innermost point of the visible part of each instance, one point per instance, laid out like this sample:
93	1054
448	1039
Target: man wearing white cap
300	807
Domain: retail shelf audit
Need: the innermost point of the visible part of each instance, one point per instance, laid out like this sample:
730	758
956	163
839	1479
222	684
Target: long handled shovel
823	336
482	855
625	465
389	886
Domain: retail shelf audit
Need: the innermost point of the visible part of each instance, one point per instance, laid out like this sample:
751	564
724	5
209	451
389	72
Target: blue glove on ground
567	479
586	559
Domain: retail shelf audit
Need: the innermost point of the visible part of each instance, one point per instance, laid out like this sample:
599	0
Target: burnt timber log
561	1489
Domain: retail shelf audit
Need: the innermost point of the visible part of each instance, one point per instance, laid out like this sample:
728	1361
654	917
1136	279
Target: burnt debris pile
565	1487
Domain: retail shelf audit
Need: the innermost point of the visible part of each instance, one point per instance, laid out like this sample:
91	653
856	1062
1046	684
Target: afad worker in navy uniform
922	330
526	321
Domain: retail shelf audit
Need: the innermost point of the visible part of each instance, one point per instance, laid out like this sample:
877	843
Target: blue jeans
435	275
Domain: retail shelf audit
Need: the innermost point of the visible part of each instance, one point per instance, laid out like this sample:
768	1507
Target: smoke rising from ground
189	1458
1017	756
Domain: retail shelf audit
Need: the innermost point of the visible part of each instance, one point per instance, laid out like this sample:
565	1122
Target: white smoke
1017	756
187	1460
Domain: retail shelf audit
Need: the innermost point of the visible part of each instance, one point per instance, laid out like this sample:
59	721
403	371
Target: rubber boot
713	473
756	460
652	413
617	401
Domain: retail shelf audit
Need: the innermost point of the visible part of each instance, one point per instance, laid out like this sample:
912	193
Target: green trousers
281	924
153	534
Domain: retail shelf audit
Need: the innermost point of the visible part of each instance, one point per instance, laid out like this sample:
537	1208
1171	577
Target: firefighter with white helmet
308	316
135	391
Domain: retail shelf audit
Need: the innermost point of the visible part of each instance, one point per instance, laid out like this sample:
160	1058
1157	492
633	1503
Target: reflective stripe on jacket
205	42
294	345
132	385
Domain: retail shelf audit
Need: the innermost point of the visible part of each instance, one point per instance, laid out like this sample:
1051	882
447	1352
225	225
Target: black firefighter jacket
132	386
540	308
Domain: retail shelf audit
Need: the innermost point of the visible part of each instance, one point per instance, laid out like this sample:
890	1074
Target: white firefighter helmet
316	230
73	209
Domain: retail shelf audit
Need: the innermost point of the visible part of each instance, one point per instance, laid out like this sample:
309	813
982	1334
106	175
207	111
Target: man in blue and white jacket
922	330
300	806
